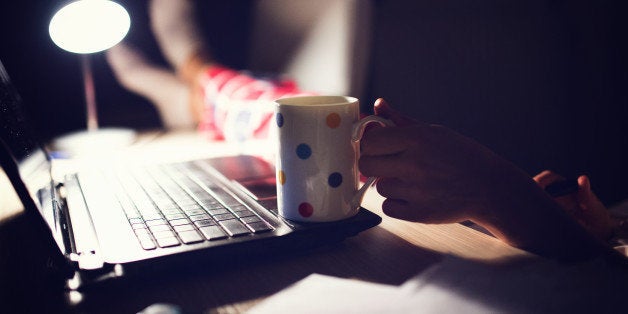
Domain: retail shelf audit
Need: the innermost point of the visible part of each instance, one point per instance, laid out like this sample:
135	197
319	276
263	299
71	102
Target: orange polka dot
333	120
282	177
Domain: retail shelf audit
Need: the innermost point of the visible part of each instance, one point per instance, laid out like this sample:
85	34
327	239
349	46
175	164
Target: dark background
543	83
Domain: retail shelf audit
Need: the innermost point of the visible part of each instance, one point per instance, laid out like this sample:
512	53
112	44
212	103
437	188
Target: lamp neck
90	93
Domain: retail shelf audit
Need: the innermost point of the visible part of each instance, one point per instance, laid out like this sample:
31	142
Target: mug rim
315	101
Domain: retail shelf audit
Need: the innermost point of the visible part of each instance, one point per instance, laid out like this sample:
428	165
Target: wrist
194	65
531	220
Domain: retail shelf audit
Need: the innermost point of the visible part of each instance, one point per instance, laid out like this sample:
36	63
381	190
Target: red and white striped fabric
239	106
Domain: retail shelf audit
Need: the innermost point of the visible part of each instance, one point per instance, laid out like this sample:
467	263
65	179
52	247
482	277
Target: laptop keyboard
177	204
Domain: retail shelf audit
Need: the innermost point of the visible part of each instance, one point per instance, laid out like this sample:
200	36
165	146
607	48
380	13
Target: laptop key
159	228
199	217
211	206
148	211
148	244
238	208
259	226
218	211
169	207
244	213
171	211
165	204
191	207
250	219
136	221
226	216
225	197
204	223
190	236
212	232
139	226
194	212
153	216
174	216
234	227
186	202
167	242
145	207
156	222
178	222
163	234
134	215
182	228
142	234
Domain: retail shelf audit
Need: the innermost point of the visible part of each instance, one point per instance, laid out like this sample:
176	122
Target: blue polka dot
304	151
334	180
279	118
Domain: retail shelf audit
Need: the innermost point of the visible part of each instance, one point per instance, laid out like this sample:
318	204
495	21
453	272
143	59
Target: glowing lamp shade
88	26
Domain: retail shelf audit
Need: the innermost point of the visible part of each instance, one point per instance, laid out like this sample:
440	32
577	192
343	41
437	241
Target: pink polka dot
306	209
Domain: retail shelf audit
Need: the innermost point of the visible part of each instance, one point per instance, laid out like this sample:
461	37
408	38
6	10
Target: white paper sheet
460	286
324	294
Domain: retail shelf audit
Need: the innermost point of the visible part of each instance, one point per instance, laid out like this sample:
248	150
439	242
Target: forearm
528	218
235	105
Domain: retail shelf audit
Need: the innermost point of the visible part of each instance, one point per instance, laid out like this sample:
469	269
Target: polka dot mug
317	158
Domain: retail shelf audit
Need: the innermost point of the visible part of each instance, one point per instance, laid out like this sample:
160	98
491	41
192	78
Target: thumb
384	110
584	190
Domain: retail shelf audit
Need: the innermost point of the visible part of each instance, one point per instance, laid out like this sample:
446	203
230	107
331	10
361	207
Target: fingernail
583	181
378	102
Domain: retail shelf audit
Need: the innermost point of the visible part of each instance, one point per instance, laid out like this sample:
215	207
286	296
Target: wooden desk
390	253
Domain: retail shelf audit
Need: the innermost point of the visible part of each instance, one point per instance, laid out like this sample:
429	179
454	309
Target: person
236	104
431	174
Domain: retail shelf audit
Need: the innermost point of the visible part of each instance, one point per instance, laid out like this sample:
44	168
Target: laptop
117	223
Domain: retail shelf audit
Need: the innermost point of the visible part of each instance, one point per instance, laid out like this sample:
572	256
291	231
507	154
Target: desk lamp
85	27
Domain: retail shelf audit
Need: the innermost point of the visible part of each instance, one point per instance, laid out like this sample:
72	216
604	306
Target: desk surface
390	253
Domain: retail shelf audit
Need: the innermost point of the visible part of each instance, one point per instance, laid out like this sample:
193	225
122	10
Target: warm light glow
88	26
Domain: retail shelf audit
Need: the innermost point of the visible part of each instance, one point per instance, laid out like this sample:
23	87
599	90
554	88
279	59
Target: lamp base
93	142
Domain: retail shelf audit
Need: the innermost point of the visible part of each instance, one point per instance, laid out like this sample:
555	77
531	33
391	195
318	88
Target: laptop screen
32	160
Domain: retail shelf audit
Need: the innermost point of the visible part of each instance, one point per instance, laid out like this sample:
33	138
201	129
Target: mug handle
357	132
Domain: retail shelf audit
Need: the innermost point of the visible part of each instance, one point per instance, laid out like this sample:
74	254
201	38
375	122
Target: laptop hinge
61	220
86	249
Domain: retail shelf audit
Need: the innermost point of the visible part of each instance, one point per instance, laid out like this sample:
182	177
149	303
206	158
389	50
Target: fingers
401	209
395	191
394	188
390	140
396	139
595	216
584	183
384	141
546	178
410	202
383	109
384	166
585	194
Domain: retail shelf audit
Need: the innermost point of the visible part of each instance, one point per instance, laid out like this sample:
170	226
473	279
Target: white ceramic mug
317	158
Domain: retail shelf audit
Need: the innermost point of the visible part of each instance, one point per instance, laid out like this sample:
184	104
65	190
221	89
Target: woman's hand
431	174
583	205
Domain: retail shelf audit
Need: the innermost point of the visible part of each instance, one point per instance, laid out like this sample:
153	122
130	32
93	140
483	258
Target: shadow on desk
30	285
29	282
